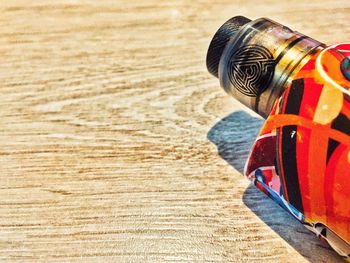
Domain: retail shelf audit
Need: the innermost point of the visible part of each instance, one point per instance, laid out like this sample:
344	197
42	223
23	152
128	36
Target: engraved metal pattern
251	69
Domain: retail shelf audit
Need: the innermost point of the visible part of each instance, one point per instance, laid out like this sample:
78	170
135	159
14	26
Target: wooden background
117	145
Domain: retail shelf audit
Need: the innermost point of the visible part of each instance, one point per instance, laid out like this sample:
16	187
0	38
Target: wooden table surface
117	145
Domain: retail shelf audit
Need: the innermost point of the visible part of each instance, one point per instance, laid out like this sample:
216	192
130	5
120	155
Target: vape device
301	157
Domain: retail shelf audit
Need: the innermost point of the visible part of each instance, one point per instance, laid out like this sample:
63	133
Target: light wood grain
117	145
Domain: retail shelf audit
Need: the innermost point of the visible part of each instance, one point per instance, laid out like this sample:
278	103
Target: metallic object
257	59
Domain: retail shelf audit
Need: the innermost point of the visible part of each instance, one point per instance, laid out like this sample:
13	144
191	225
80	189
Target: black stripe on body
341	123
288	147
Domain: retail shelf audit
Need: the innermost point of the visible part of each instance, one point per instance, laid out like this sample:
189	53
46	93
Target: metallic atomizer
301	157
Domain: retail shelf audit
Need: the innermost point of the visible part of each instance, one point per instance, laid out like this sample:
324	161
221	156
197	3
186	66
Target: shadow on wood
234	136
